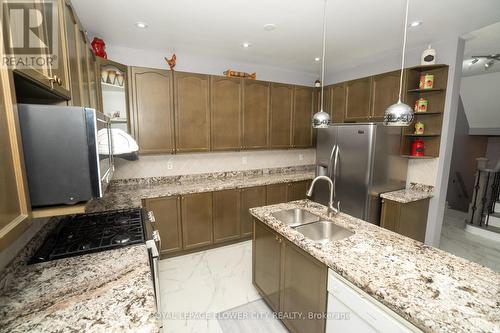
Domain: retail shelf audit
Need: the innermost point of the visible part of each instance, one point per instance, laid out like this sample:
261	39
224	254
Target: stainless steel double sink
312	226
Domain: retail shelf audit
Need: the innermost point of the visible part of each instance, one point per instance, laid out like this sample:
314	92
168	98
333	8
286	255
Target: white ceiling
484	41
358	30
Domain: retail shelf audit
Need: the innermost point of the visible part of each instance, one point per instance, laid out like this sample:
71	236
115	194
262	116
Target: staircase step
494	220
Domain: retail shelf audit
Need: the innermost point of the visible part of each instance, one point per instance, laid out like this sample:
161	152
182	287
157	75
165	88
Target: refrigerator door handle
330	162
335	166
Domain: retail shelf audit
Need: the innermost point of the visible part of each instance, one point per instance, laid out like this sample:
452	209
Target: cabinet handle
56	79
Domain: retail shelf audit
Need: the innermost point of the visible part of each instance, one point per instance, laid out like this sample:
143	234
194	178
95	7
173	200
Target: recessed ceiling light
317	59
269	27
245	45
415	24
141	25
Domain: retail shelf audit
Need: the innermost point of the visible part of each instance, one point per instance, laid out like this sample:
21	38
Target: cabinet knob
56	79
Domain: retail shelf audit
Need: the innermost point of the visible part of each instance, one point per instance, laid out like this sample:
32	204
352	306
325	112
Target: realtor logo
30	32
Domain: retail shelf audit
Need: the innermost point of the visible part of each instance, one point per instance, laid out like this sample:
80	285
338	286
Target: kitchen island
431	289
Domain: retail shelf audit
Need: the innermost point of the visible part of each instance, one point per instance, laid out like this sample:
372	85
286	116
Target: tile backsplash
197	163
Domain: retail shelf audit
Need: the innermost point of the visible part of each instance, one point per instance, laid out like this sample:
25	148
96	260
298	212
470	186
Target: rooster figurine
171	62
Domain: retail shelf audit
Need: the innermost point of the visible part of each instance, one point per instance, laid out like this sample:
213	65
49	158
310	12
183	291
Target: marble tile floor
456	240
195	287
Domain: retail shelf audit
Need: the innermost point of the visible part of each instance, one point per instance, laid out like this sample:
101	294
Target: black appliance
64	162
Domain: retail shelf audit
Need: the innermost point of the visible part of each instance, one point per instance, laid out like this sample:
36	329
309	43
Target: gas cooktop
86	233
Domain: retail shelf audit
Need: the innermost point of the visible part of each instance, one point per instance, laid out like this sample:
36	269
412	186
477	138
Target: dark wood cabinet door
281	115
225	113
83	68
71	27
167	212
337	96
197	227
226	215
297	190
192	112
255	114
302	117
266	257
250	197
413	219
385	91
303	289
93	80
358	93
152	107
389	215
276	193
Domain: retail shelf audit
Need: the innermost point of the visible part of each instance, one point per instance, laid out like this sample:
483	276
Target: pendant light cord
323	55
404	48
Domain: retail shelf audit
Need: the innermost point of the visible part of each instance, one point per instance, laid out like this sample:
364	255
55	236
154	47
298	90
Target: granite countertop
109	291
129	193
414	192
434	290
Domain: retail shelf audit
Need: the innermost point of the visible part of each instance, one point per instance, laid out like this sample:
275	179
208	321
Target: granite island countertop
108	291
434	290
124	194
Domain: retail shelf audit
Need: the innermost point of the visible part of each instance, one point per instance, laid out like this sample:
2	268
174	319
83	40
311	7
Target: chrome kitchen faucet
331	208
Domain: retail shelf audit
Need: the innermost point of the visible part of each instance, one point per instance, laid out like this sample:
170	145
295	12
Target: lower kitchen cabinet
290	280
226	211
297	190
197	226
407	219
250	197
266	267
167	212
303	289
276	193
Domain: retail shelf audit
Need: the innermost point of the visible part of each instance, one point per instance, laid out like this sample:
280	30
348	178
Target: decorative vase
112	76
104	76
99	47
119	79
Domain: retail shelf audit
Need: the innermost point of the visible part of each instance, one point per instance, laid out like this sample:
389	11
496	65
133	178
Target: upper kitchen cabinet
14	199
112	92
192	112
302	115
358	94
83	65
225	125
255	114
43	55
152	109
93	80
281	115
71	32
337	93
385	90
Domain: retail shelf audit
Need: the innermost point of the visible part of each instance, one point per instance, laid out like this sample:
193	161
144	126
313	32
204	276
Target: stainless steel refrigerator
364	161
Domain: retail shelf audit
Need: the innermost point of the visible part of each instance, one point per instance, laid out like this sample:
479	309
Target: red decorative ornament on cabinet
99	47
418	147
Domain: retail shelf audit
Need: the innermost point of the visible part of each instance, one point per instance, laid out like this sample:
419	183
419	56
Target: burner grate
86	233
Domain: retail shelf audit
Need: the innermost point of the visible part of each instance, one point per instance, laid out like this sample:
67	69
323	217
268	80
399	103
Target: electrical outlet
244	160
301	157
170	165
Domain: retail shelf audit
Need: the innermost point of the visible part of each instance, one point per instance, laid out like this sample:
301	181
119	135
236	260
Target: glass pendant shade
321	119
398	114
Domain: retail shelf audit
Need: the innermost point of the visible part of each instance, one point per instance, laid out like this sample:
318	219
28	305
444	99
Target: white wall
196	163
205	64
481	98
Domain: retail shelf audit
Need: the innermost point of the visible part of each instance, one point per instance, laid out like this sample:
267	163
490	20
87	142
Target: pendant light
400	114
321	119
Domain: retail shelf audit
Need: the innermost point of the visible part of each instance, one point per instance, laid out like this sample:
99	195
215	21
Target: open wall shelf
433	118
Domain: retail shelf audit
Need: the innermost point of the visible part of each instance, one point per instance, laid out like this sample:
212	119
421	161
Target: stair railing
485	193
